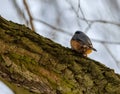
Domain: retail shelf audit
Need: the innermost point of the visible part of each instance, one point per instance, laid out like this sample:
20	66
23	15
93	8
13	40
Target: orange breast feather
75	45
79	47
88	51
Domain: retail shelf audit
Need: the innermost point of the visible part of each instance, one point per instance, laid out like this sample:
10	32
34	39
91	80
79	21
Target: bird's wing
86	40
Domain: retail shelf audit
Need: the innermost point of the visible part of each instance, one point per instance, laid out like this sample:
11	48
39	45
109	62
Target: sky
4	89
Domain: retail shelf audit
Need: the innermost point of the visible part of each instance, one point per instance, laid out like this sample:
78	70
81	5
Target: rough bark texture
32	64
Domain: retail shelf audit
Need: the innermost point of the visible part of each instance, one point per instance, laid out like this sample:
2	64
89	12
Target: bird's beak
94	49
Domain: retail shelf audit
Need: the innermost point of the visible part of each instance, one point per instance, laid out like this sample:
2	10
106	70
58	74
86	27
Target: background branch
53	27
19	11
110	53
106	42
29	14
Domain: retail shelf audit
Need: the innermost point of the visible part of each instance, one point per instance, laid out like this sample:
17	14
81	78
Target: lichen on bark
40	66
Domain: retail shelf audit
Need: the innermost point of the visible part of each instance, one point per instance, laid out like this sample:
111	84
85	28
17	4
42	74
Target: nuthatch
81	43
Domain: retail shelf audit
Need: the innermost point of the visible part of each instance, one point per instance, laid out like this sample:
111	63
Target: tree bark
32	64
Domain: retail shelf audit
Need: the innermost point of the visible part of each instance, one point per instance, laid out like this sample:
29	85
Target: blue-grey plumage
81	43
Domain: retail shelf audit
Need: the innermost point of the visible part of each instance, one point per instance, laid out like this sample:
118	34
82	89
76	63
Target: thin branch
19	11
79	8
90	22
77	14
73	8
88	27
106	42
101	21
29	14
108	50
51	26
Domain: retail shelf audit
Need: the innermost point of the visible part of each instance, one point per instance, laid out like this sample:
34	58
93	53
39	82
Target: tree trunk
32	64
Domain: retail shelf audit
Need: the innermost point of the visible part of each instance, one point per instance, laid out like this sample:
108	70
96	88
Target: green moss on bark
34	63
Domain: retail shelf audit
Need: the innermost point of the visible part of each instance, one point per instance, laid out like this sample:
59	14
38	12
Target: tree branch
51	26
36	64
106	42
29	14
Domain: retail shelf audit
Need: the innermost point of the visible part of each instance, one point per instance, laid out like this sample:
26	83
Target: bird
81	43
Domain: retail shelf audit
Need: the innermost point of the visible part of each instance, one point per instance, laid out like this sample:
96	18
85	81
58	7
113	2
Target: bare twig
89	24
29	14
88	21
108	50
79	8
106	42
78	16
75	11
19	11
101	21
88	27
51	26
